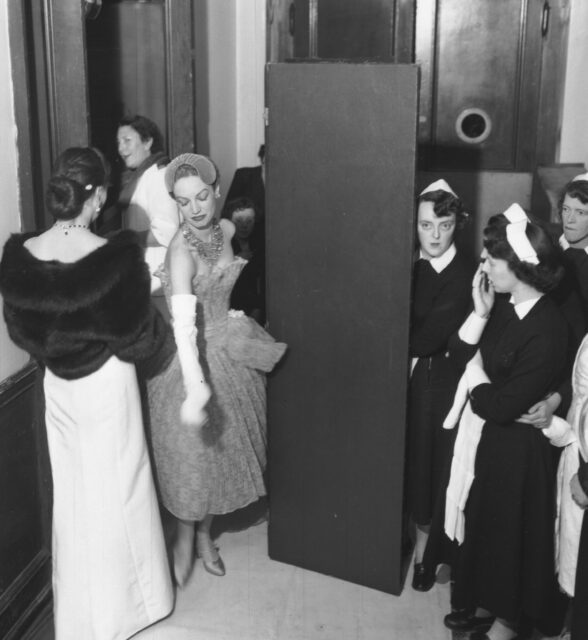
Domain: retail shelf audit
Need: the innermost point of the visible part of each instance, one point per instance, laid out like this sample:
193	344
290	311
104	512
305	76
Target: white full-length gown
569	514
110	571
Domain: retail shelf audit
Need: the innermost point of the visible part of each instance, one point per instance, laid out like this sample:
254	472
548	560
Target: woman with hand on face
441	298
207	410
499	502
80	305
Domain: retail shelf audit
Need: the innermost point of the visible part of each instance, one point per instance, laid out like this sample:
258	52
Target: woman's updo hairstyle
543	276
77	173
444	204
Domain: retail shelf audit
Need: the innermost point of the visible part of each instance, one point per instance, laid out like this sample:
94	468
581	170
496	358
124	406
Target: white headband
582	176
516	236
438	185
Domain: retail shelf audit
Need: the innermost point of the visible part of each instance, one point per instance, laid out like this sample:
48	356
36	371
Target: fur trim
74	316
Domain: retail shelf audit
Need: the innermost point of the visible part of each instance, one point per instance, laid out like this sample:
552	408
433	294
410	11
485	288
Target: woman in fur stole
80	305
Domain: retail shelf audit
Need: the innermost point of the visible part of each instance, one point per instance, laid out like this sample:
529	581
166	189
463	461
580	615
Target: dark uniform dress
571	296
440	304
506	562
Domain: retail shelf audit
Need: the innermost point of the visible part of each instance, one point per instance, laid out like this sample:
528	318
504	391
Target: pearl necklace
66	227
209	251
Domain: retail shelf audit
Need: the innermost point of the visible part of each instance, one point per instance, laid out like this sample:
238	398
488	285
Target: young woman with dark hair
499	502
248	243
441	298
80	305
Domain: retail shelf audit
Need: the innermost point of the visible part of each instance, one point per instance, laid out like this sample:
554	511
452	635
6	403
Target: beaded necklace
209	251
66	227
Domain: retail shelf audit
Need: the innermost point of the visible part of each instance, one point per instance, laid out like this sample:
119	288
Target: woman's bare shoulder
228	227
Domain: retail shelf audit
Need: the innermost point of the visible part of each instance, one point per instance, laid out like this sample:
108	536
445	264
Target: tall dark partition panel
340	193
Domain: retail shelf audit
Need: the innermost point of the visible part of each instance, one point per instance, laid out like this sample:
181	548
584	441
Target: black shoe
482	635
423	578
465	620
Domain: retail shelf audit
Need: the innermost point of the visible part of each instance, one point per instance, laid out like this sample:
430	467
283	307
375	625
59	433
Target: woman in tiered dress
208	409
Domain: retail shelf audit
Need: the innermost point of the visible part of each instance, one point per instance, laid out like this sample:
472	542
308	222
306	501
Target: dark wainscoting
25	505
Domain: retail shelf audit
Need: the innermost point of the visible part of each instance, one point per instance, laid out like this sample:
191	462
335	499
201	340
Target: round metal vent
473	125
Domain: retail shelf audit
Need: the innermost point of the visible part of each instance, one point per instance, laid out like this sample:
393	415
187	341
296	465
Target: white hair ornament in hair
582	176
516	236
438	185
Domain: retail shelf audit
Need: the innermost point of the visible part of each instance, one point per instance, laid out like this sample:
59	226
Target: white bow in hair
582	176
516	236
438	185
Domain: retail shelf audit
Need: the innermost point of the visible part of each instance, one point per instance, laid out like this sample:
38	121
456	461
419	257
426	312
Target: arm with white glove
183	310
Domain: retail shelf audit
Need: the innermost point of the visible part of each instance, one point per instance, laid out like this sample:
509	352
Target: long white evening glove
183	310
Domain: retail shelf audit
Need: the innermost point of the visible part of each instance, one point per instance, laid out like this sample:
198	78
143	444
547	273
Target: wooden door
350	30
141	61
492	79
339	200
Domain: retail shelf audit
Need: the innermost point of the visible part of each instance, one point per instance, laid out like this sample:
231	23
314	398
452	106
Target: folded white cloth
464	450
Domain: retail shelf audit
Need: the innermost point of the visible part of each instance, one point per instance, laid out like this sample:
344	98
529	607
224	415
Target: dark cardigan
72	317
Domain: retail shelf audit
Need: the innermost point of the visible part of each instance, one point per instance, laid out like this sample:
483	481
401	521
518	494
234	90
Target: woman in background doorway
144	202
441	297
248	243
80	305
209	461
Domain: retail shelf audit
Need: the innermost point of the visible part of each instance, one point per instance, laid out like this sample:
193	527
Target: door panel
348	29
140	60
340	193
491	76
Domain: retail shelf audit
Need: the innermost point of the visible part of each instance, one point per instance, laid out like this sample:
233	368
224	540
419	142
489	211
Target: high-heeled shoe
215	567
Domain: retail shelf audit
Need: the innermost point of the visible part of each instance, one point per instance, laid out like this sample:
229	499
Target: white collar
564	244
442	261
523	308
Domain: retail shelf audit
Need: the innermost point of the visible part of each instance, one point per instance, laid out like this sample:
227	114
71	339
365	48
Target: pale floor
260	599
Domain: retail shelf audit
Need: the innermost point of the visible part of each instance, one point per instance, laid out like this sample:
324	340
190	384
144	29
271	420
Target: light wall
574	134
230	60
11	358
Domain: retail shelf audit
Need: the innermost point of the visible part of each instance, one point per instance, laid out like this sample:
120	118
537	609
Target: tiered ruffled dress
219	467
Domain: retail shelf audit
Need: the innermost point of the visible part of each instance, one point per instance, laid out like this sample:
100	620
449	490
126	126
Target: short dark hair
238	204
575	189
444	204
147	130
77	173
543	276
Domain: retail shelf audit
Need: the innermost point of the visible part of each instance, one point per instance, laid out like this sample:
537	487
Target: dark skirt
429	445
506	562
